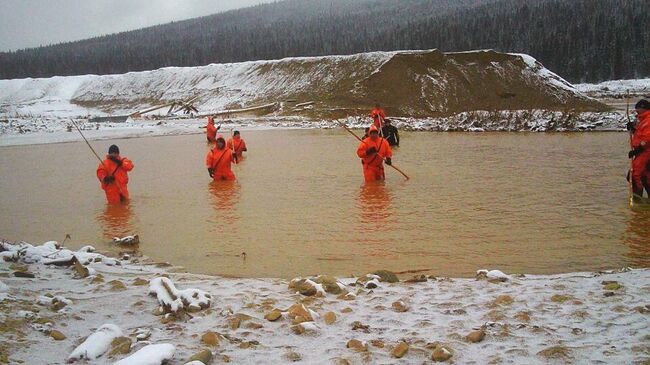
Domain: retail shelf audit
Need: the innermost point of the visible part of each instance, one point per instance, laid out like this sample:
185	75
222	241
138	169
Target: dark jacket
391	135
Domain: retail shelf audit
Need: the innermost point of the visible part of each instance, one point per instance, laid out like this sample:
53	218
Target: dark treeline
582	40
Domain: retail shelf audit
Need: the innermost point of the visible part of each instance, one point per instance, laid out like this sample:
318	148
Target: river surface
519	202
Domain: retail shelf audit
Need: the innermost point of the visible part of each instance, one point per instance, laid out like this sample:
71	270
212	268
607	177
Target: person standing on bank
113	176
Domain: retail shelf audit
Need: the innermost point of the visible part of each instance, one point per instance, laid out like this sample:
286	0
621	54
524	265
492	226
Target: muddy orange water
531	203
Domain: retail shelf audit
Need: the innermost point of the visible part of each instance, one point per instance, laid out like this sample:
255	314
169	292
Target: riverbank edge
46	130
495	317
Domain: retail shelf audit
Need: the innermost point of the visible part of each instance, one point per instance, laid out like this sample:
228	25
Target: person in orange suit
237	144
113	176
219	161
640	152
211	130
373	151
377	114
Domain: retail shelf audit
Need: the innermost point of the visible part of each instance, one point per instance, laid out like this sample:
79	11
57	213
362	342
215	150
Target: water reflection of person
224	198
116	220
375	204
637	237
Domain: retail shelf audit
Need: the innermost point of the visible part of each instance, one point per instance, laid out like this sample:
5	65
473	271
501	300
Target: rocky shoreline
59	306
40	130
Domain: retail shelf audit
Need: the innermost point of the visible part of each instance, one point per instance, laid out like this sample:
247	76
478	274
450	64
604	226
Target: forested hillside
582	40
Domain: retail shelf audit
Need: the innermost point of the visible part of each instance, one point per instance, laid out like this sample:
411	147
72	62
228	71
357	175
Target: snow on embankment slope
407	83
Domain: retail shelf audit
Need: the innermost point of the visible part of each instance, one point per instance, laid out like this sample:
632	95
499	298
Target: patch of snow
497	275
617	88
50	252
26	314
150	355
546	74
87	249
126	240
310	327
47	301
372	281
96	344
42	328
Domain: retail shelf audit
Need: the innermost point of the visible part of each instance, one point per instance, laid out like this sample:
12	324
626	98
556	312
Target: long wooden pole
232	139
88	143
360	140
627	115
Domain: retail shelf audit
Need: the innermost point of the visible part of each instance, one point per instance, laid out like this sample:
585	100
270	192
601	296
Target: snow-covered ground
617	88
54	130
117	314
219	86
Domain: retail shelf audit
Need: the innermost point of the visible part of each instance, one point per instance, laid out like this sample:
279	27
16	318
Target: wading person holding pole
640	153
211	130
366	137
373	151
237	144
219	161
378	115
113	175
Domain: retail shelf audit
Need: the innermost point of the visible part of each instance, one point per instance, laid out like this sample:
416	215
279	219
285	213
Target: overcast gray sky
31	23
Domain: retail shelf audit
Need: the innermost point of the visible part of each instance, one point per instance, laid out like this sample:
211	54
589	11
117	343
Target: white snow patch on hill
233	84
616	88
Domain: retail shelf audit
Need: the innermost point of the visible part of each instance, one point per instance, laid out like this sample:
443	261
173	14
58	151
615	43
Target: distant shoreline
36	131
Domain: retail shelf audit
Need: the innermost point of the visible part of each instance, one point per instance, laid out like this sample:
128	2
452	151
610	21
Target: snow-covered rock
492	275
127	240
497	275
150	355
50	253
96	344
173	299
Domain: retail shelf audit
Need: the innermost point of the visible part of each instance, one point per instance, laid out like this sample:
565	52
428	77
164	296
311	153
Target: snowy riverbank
40	130
495	318
617	89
